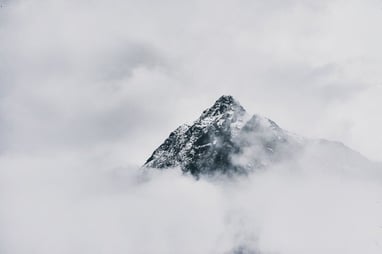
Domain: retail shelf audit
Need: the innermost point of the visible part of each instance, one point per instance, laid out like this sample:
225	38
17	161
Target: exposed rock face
224	139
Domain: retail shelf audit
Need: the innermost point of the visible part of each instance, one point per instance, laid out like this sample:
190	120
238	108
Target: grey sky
107	74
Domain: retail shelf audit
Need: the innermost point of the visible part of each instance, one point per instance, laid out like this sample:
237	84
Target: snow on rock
225	139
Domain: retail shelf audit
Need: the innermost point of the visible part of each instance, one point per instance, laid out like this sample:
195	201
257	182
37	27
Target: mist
66	205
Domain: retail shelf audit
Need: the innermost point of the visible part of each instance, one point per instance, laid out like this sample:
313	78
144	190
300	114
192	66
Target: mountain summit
224	139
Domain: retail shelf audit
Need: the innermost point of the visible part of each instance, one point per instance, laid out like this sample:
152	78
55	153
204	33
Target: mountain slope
224	139
207	144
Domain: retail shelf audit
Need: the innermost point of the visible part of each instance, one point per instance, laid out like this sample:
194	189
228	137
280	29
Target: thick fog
88	89
63	206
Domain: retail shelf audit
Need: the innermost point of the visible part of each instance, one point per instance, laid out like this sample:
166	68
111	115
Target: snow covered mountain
226	139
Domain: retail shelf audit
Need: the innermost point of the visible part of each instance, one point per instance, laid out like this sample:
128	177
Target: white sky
115	77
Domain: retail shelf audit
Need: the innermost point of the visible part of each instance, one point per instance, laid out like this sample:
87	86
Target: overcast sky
113	78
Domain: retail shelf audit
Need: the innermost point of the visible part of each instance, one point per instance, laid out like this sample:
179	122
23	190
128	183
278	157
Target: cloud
102	72
68	204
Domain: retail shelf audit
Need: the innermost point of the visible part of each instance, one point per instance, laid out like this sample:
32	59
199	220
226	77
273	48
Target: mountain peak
225	140
217	138
226	99
225	105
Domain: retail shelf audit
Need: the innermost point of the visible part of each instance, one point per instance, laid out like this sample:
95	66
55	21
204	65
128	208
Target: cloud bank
66	205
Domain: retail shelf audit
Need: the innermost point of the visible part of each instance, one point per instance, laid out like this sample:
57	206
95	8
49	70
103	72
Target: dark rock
221	140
